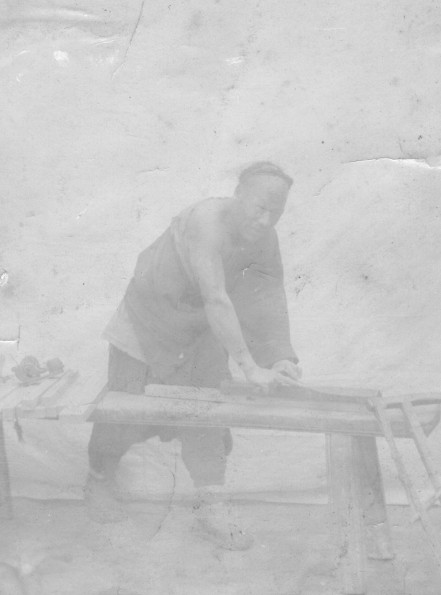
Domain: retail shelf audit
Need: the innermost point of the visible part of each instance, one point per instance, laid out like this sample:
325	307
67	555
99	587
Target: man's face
262	199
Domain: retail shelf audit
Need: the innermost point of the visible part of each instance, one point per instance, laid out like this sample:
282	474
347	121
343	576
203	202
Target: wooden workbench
344	415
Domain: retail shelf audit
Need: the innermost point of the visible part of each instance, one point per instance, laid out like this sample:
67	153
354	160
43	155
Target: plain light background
115	115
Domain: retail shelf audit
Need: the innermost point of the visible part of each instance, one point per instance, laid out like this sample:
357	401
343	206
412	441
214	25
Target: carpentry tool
29	370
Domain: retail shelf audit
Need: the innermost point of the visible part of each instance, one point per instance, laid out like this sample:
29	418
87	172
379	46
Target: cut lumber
82	399
49	404
300	391
246	395
20	394
32	400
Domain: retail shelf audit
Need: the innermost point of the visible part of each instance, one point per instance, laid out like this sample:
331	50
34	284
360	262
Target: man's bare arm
205	250
205	245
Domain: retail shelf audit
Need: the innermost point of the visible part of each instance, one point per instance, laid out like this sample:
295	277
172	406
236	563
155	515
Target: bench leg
5	491
344	487
379	542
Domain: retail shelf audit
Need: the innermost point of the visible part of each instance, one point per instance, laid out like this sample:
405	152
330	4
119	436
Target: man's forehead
267	186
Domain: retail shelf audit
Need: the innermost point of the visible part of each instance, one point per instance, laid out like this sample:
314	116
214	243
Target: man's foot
100	500
217	522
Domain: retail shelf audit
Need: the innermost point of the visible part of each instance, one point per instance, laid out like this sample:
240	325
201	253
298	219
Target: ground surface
158	552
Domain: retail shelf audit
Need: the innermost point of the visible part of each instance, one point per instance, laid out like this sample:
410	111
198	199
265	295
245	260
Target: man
209	288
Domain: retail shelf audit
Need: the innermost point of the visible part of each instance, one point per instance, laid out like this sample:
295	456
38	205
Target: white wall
115	115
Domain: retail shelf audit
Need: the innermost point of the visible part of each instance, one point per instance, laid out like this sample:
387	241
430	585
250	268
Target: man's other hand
266	379
288	368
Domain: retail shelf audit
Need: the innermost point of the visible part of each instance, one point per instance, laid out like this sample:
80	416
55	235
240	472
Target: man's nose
265	219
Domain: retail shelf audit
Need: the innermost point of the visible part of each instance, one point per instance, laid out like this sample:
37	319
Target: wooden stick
407	481
20	393
422	445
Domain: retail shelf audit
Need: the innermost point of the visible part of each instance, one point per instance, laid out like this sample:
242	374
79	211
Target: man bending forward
210	287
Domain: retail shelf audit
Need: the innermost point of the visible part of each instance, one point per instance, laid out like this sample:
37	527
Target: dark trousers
204	450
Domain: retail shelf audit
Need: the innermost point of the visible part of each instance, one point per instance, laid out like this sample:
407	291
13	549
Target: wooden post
345	491
5	491
379	544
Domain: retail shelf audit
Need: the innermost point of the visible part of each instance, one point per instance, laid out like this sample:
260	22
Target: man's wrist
292	360
247	364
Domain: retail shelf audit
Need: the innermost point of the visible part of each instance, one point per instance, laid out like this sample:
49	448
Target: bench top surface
75	398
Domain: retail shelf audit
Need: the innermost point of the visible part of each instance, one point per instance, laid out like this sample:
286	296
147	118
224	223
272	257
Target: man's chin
252	235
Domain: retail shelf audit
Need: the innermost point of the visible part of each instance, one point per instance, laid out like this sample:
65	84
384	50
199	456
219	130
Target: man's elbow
216	300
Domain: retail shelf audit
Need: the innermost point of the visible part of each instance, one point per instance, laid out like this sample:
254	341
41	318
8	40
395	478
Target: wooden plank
33	398
415	398
82	401
320	401
120	407
301	392
186	392
345	491
22	393
50	403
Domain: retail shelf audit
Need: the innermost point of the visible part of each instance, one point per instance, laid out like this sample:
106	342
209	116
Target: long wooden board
301	392
117	407
311	397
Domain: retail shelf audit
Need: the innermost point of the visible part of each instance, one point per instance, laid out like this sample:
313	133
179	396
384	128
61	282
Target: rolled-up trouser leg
109	442
204	450
204	453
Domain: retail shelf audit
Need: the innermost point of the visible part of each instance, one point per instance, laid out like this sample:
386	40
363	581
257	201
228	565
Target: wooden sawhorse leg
5	490
379	544
344	489
358	507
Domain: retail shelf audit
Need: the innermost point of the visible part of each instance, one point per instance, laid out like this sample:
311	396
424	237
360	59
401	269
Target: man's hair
264	168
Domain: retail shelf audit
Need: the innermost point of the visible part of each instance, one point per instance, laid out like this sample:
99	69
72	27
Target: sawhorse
345	416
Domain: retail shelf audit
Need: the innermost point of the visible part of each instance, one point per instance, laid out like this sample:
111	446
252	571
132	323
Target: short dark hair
264	168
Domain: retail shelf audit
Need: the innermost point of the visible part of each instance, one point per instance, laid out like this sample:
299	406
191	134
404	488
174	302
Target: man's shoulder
204	220
207	208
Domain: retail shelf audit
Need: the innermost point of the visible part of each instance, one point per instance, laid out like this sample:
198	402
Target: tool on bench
420	507
29	370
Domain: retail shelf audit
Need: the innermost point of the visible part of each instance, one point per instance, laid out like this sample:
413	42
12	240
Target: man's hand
266	379
289	369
